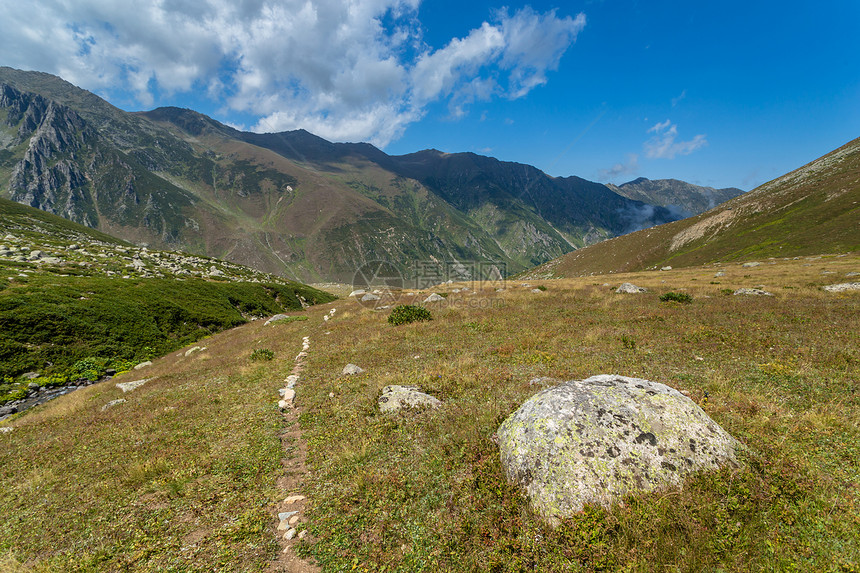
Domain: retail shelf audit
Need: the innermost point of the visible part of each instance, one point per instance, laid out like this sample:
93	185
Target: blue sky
717	93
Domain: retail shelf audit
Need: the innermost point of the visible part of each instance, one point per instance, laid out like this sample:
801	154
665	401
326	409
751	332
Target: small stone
750	264
143	365
285	515
369	297
294	520
113	403
752	291
666	268
351	369
290	533
5	430
843	287
434	297
191	351
289	394
630	288
294	498
331	394
129	386
303	533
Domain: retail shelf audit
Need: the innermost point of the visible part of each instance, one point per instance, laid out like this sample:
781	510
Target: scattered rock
129	386
294	498
351	369
8	410
192	350
630	288
843	287
275	318
597	440
6	430
751	264
536	290
720	274
113	403
434	298
395	398
143	365
752	291
852	274
294	520
369	297
285	515
303	533
358	292
290	533
667	268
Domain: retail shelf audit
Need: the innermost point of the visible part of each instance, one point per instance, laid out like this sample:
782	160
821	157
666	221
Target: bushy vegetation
680	297
49	323
262	354
406	313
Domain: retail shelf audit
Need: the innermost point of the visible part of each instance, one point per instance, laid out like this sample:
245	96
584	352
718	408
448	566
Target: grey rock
752	291
750	265
134	385
667	268
434	297
8	410
843	287
395	398
113	403
285	515
852	274
6	430
358	292
143	365
597	440
31	375
369	297
290	534
720	274
351	369
630	288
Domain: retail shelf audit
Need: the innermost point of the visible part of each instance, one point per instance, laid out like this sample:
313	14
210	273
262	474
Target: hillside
189	471
686	198
812	210
75	301
287	203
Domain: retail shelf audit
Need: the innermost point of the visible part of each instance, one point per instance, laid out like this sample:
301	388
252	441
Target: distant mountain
812	210
686	198
288	203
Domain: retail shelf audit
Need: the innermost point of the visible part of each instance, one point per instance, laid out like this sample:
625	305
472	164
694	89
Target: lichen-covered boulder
395	398
593	441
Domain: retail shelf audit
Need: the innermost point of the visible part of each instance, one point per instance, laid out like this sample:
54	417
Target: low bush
406	313
262	354
681	297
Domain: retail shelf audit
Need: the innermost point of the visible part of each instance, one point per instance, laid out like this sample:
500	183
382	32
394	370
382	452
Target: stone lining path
292	508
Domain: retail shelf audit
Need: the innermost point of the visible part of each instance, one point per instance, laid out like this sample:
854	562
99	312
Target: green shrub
681	297
91	368
262	354
541	288
406	313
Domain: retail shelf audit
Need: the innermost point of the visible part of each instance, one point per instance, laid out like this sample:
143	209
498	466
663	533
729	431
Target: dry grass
182	477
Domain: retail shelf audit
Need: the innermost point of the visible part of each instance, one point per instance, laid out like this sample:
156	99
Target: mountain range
295	204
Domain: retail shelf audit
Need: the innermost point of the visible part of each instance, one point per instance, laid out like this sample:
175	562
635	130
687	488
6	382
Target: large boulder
593	441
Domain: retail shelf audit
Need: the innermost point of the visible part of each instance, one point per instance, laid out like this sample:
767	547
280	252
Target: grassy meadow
184	476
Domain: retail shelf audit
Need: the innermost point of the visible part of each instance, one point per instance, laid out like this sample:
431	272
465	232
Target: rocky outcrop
593	441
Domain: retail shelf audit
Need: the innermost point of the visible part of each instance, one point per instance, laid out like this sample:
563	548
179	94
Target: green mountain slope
812	210
70	293
288	203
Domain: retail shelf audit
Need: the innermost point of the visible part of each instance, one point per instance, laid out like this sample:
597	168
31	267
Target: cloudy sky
724	93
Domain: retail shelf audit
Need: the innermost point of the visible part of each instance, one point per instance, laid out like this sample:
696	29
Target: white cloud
355	70
663	145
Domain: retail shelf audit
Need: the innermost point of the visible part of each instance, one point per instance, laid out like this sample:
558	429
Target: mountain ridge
290	203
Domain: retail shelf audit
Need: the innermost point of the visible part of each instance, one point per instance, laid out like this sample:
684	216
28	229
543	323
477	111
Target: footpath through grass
182	476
